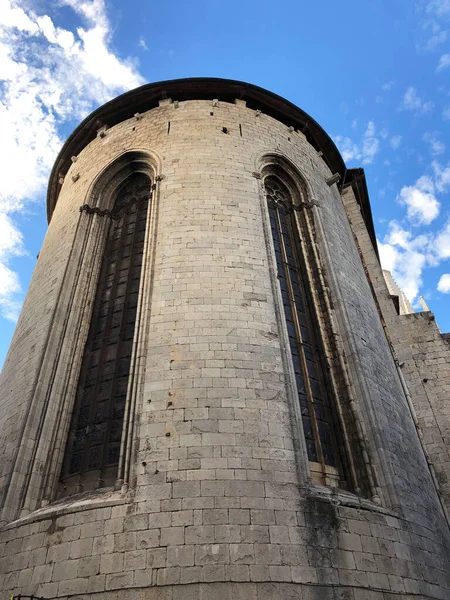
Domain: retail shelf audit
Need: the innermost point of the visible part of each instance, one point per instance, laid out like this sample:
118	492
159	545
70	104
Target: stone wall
422	353
427	370
219	499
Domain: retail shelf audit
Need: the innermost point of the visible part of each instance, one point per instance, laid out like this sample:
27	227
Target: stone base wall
251	591
333	547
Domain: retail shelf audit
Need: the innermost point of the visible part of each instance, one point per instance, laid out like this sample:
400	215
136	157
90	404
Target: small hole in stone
170	404
224	130
144	464
167	433
211	114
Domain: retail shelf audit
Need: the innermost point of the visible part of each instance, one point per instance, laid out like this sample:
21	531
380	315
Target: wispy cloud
441	176
364	151
396	140
434	14
50	76
370	145
444	62
438	8
142	43
438	38
436	145
413	102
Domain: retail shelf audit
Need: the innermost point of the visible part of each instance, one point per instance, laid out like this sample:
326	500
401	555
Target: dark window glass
319	425
93	446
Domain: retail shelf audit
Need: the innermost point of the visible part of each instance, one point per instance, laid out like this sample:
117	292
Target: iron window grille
320	425
94	439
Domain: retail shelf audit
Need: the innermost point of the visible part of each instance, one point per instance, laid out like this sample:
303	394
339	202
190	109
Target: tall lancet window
93	446
320	425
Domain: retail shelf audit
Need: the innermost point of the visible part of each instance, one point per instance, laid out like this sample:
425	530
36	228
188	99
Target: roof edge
356	178
146	97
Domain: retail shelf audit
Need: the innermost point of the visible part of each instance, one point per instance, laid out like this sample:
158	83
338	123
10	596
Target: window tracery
320	425
93	446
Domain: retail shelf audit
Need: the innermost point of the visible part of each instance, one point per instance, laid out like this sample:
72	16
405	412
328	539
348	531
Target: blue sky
375	75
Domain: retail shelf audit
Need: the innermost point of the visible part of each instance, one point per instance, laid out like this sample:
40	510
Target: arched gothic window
93	446
321	428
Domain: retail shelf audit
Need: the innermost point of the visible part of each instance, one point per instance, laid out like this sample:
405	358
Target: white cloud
444	62
371	144
348	149
436	40
11	244
444	284
405	258
421	203
446	113
396	140
406	255
12	16
436	145
441	243
412	101
365	151
433	20
388	85
441	176
439	8
50	76
389	256
142	43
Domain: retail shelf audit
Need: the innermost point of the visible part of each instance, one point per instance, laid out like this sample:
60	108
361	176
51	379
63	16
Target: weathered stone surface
219	502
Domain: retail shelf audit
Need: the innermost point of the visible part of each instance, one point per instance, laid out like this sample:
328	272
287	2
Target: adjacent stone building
210	392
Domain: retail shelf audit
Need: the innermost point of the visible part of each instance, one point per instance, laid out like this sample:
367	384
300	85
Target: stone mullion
124	218
360	420
312	414
298	437
140	341
120	343
313	268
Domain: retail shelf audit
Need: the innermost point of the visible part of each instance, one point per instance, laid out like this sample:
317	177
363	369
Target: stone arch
348	471
115	173
63	361
279	166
